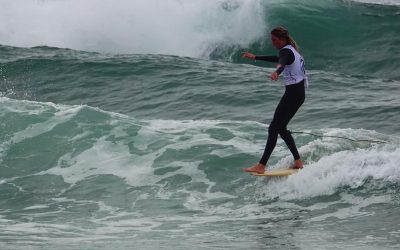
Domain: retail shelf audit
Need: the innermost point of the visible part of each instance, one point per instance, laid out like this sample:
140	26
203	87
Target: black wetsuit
289	104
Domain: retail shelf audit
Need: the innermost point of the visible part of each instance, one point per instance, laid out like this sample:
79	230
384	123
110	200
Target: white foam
104	157
341	163
242	142
36	207
108	157
59	114
186	28
350	168
356	207
380	2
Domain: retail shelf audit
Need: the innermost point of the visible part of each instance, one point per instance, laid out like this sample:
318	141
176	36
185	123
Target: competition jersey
295	72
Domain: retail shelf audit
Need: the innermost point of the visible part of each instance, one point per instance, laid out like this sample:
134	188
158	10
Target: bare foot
298	164
258	168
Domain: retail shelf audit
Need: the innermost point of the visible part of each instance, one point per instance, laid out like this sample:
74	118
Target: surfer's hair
282	33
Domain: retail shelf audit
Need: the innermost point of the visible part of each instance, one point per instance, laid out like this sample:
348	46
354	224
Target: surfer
291	64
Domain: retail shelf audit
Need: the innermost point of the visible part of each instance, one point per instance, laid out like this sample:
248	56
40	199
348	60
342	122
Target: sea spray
186	28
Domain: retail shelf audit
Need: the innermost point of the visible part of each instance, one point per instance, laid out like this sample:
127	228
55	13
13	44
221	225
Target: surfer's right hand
248	55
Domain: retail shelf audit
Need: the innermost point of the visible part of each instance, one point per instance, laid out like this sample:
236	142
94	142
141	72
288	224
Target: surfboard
278	172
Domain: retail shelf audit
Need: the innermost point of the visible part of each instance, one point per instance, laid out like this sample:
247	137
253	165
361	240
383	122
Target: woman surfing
291	65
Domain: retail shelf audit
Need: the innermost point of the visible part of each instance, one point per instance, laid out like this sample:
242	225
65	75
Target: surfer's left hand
274	76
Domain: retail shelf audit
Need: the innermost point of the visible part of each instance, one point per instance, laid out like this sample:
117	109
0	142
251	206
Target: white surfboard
278	172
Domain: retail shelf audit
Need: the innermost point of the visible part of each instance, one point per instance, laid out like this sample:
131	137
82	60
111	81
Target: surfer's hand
274	76
248	55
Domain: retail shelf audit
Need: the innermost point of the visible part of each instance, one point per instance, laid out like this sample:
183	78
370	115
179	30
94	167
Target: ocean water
126	125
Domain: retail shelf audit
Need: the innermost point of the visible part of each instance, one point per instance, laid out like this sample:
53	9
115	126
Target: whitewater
126	125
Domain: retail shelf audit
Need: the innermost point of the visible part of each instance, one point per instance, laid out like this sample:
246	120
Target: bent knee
273	129
284	132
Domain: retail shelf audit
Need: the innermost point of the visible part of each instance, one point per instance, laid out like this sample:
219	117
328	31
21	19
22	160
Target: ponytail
293	43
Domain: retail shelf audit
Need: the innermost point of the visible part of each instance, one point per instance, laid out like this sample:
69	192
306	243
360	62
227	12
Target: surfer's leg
288	139
297	99
274	128
286	109
285	134
271	143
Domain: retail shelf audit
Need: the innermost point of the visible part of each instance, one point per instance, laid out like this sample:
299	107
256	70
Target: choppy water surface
116	138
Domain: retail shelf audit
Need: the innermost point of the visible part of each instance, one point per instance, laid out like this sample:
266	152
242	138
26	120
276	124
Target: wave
180	88
99	144
79	143
379	2
347	171
78	171
184	28
337	36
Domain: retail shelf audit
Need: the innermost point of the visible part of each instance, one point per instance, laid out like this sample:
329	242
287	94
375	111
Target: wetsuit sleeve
268	58
286	57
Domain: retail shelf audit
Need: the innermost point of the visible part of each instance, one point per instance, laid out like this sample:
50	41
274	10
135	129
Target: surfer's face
278	42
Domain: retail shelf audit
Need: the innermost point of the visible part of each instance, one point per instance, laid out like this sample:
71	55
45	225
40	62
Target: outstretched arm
262	58
286	57
268	58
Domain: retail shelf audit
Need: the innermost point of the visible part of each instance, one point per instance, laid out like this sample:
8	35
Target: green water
144	149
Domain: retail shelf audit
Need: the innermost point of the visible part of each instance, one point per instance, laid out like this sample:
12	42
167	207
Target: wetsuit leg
286	109
288	139
273	132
